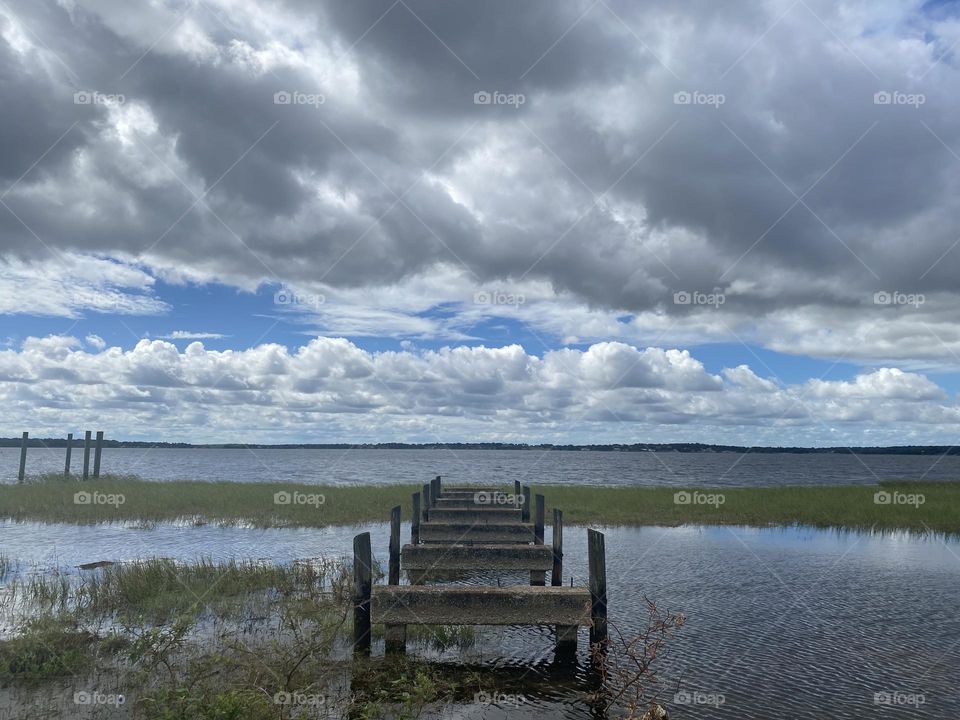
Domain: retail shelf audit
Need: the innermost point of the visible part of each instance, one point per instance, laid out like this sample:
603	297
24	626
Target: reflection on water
783	623
366	467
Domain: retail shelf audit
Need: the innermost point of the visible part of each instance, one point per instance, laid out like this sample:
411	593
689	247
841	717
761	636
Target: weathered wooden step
476	557
463	605
482	514
449	532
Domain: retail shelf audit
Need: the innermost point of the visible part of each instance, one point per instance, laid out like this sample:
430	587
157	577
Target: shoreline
891	505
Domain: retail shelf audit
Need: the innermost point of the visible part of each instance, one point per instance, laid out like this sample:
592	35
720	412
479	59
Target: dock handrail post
394	635
96	454
86	455
556	574
66	463
426	501
598	587
517	492
362	589
22	473
538	520
525	510
435	491
415	520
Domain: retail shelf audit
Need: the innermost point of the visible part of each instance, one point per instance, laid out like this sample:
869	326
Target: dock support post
66	463
426	501
435	491
395	636
538	520
598	587
86	455
415	520
556	574
525	510
96	454
22	473
362	589
517	493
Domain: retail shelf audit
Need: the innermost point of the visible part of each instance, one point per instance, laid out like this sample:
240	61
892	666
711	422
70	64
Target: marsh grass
50	499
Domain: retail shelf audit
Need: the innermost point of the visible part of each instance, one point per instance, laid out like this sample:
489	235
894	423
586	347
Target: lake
485	466
781	623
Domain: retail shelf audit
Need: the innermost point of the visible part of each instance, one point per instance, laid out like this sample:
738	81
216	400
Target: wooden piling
556	575
394	576
22	474
598	587
525	516
66	463
86	455
426	501
415	520
538	520
96	454
517	493
362	590
434	491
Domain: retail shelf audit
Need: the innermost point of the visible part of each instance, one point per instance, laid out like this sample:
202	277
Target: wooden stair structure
476	529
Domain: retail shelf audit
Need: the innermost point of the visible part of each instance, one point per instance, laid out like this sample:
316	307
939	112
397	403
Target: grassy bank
130	499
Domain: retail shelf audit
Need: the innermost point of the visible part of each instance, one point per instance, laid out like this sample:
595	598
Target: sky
418	221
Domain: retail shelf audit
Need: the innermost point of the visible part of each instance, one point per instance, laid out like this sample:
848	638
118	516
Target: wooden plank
415	519
362	584
22	473
480	514
463	605
598	586
475	533
476	557
66	464
556	573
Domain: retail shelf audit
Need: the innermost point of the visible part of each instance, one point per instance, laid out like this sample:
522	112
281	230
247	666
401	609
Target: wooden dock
476	529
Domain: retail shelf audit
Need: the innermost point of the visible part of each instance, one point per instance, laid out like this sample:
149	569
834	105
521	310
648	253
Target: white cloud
191	335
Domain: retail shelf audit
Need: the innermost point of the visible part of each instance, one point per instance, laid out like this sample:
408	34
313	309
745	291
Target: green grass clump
842	506
48	647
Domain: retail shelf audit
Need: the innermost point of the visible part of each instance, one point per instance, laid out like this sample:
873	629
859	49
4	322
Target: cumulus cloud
609	391
799	197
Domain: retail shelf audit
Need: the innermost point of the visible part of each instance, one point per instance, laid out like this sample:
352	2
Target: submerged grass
51	499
